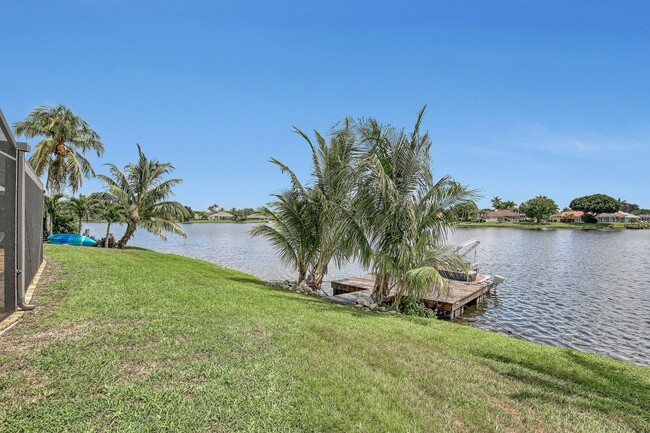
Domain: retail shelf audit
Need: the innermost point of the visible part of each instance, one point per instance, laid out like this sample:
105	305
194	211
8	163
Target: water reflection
587	290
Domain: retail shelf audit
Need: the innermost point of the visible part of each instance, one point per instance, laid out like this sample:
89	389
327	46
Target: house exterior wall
566	216
7	228
21	219
609	218
220	218
500	219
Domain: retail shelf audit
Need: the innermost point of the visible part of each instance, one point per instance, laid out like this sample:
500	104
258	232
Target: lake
588	290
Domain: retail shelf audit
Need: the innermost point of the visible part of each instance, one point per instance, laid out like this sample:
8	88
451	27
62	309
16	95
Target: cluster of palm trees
139	194
499	204
82	208
371	197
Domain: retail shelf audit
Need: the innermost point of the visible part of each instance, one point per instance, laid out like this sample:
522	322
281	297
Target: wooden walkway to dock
452	301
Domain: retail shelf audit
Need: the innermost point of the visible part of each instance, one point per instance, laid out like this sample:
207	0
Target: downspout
21	303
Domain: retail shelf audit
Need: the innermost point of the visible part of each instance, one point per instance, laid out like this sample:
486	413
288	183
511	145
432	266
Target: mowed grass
139	341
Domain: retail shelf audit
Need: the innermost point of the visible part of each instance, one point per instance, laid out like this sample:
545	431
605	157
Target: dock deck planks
453	301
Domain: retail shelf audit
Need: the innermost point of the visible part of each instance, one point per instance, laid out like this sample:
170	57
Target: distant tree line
238	214
541	207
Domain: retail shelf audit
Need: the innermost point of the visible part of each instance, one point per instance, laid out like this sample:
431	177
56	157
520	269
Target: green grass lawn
139	341
533	225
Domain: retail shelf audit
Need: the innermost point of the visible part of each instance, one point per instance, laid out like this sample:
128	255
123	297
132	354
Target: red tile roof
567	213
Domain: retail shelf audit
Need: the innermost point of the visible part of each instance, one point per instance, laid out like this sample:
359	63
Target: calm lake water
588	290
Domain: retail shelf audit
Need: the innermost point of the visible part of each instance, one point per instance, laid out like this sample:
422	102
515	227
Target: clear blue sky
525	97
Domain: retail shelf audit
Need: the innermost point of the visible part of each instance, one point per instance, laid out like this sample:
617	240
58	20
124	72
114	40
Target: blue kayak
71	239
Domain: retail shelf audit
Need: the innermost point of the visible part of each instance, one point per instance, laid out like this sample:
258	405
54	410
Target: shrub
413	307
111	242
589	218
64	222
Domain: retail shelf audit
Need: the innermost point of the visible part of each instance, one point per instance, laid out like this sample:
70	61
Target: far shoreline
542	226
224	222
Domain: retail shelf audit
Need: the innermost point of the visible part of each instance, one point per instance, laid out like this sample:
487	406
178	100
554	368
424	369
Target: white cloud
541	140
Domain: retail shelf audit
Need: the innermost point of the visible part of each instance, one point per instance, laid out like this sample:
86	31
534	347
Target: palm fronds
60	154
143	192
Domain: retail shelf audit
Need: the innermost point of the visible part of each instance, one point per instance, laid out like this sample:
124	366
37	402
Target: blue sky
524	97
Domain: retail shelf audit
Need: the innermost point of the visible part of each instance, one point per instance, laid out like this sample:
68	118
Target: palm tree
143	192
333	177
405	212
291	229
60	153
496	202
82	206
214	208
51	205
111	212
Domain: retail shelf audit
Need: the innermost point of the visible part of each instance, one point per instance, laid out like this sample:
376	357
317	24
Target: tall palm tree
405	212
291	229
51	207
82	206
496	202
67	138
333	177
142	190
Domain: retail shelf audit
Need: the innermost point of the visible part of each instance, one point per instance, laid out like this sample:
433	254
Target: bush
65	222
111	242
589	218
413	307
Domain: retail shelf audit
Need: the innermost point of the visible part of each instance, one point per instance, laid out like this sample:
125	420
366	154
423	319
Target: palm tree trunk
49	223
50	214
302	272
381	288
61	150
60	176
400	294
108	232
319	273
80	218
130	230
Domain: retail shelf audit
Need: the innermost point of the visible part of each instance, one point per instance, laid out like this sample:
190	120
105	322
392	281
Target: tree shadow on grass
132	248
584	382
248	280
277	292
320	303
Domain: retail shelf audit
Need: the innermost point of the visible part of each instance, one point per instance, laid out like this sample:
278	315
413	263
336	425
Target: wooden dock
453	301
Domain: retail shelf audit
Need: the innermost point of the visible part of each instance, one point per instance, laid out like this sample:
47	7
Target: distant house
503	215
222	215
630	218
607	218
617	217
644	218
568	216
257	217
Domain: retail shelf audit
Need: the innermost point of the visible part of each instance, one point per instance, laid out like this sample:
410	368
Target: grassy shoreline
224	221
542	226
133	340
